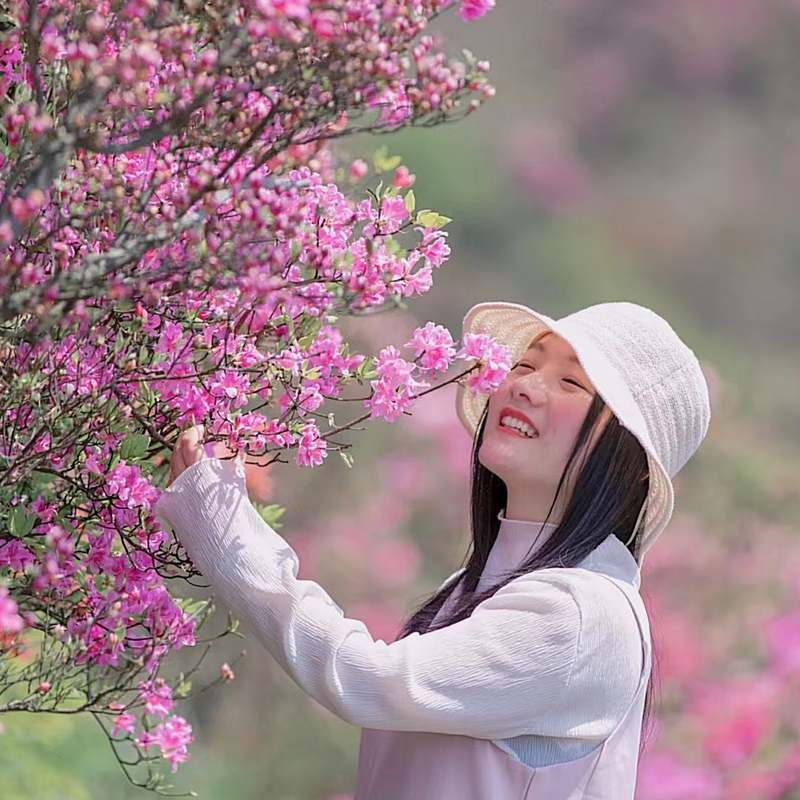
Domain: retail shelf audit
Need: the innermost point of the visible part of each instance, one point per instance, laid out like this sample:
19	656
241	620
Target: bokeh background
638	150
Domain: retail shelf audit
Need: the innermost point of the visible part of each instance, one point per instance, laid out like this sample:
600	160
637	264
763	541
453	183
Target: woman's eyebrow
540	346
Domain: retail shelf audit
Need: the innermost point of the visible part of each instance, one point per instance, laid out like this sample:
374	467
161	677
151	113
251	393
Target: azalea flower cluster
252	89
175	249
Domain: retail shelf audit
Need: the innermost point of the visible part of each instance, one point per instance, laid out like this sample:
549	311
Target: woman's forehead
543	342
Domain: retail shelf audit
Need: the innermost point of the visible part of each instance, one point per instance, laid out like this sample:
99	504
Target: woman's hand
188	450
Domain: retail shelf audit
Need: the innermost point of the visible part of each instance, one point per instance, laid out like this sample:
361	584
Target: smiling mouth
515	432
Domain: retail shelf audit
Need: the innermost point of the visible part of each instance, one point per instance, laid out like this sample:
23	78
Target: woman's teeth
519	425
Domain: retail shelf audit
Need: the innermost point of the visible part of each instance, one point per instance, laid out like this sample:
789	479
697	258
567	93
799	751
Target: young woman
524	677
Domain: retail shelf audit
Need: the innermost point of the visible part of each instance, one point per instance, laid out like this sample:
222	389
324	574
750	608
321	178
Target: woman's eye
566	380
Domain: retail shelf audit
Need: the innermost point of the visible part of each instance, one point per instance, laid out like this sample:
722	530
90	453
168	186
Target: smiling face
550	389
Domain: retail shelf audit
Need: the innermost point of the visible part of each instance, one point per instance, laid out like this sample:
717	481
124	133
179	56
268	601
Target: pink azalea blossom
10	620
14	554
435	346
157	696
403	179
358	169
126	482
230	384
396	388
434	247
123	722
170	339
171	737
474	9
312	450
494	358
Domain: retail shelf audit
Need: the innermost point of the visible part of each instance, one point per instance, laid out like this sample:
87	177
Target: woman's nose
531	387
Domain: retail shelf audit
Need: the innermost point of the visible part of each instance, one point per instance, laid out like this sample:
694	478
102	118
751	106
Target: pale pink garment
403	765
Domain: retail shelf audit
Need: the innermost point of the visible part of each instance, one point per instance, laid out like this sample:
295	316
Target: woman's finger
188	450
193	448
176	463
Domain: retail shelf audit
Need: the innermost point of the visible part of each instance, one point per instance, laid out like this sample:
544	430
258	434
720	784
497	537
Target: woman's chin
499	457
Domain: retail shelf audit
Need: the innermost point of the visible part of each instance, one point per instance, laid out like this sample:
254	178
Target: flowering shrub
175	250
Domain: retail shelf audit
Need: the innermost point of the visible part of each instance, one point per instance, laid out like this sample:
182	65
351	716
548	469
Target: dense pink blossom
312	450
396	389
434	345
494	358
157	697
170	338
232	385
16	555
126	482
234	255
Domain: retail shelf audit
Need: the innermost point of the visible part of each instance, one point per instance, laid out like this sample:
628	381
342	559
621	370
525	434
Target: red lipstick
512	412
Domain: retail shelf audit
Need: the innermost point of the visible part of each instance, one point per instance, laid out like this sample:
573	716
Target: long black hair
611	487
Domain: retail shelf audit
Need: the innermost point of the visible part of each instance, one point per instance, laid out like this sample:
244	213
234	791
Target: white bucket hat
648	377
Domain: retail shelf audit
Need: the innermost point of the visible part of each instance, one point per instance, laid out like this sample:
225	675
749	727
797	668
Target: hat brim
516	326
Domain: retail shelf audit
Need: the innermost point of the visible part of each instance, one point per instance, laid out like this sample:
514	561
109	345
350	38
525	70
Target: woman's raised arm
502	672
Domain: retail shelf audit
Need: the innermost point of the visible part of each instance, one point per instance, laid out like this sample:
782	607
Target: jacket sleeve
502	672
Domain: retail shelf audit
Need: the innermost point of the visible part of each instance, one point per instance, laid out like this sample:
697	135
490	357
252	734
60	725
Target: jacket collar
610	557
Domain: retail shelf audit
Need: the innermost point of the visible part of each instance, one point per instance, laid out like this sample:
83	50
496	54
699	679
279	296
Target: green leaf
347	458
20	522
384	162
430	219
134	446
362	368
233	627
411	201
191	606
270	514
